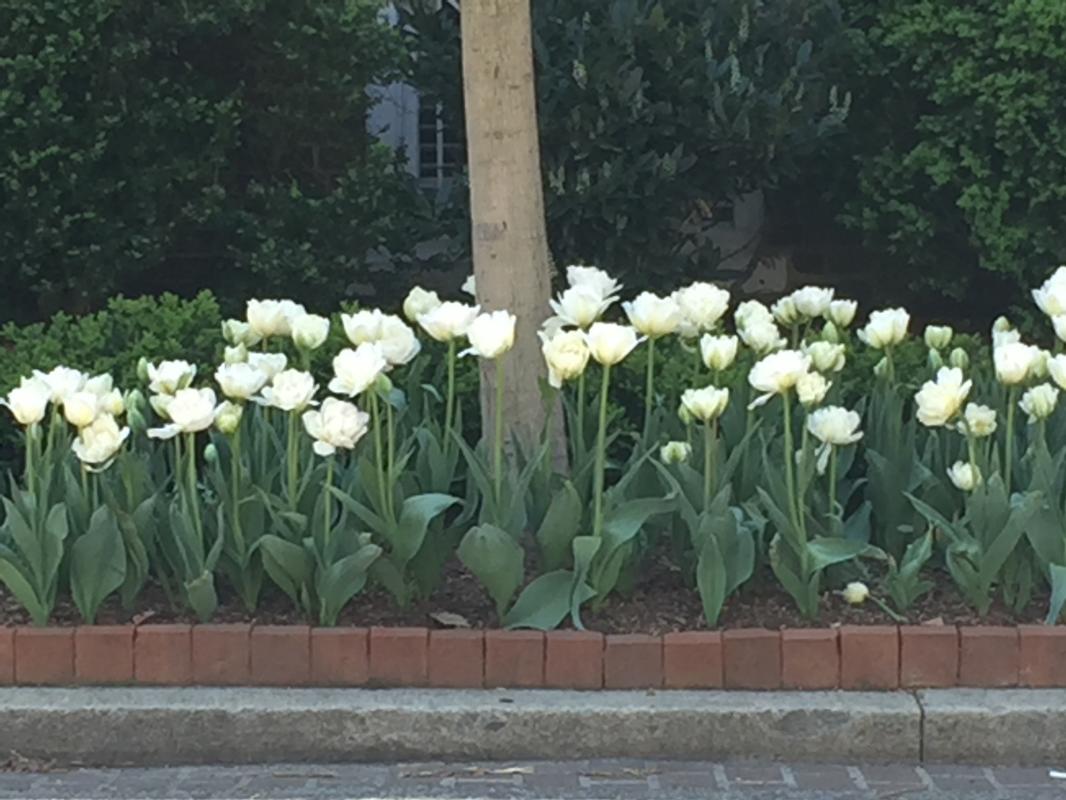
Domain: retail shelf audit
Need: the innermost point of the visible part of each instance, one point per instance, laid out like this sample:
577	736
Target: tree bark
510	247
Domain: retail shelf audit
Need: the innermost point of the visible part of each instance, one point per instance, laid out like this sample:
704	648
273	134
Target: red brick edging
847	657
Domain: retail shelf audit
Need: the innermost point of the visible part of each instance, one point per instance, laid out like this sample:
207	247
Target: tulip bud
235	355
383	385
142	369
784	311
842	312
935	360
1001	325
675	452
830	333
811	389
309	332
959	358
881	368
228	418
938	337
855	593
1039	368
964	476
134	402
684	415
211	454
1039	402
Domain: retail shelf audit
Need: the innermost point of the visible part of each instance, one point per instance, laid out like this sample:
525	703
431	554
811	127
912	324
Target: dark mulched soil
659	603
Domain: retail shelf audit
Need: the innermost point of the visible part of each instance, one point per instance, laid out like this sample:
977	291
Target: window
441	149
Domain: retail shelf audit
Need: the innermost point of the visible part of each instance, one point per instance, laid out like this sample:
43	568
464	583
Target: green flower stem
379	458
1008	448
235	479
601	456
449	402
710	461
193	501
327	512
971	448
293	472
32	444
497	455
85	484
790	466
649	387
390	430
890	366
581	401
833	480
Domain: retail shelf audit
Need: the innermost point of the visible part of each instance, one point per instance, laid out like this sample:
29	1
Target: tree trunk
510	247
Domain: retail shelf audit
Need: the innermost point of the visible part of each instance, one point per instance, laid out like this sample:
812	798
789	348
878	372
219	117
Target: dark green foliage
217	143
652	113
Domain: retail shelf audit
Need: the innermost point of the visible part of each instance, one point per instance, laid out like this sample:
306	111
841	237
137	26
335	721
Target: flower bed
872	489
849	657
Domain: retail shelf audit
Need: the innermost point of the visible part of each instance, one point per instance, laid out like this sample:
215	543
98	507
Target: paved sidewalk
579	780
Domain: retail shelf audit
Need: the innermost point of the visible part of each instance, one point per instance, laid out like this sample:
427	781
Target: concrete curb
112	727
117	726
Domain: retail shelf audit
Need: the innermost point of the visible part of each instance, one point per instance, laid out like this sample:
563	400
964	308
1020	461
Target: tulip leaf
287	564
559	527
97	563
624	521
200	592
18	585
825	551
711	580
340	581
415	515
497	560
546	601
1058	593
585	549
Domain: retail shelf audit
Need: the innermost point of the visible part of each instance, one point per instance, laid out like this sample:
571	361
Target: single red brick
44	655
281	655
399	656
7	656
1042	655
457	659
103	653
573	660
633	661
340	656
810	658
162	654
692	660
752	659
514	659
928	656
221	655
988	656
869	657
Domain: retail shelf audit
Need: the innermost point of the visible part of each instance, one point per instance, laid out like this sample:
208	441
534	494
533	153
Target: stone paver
579	780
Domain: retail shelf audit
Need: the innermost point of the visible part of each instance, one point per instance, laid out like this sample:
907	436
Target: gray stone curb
145	726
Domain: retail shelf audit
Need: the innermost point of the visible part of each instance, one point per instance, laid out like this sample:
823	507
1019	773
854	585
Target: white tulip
940	400
81	408
160	403
566	355
398	341
938	337
100	385
491	334
189	411
750	312
1039	369
706	404
363	326
826	356
702	305
609	343
419	302
309	332
1051	296
356	370
855	593
978	421
1014	361
291	390
170	376
653	316
240	381
777	373
593	278
1056	367
718	352
811	389
833	426
762	336
228	417
238	354
99	443
675	452
964	475
580	306
469	286
812	301
784	311
113	403
239	333
886	328
842	312
270	364
448	321
29	401
337	425
1039	402
551	327
62	382
1059	321
268	318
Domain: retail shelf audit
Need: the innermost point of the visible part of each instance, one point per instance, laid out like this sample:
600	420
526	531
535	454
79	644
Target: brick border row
846	657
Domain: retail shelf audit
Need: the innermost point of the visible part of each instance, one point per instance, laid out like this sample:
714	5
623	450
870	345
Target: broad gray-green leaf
711	581
341	581
561	524
19	586
97	563
200	592
1058	594
496	559
415	516
825	551
287	564
584	549
546	602
623	522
